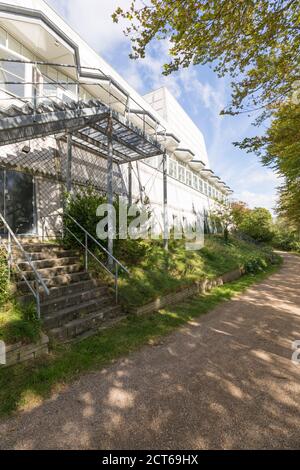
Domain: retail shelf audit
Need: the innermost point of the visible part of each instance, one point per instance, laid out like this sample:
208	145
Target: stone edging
17	353
196	288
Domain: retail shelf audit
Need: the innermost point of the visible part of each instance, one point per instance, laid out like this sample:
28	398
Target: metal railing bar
27	257
21	272
89	251
98	243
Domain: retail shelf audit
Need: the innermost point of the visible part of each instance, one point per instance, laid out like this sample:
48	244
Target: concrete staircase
78	305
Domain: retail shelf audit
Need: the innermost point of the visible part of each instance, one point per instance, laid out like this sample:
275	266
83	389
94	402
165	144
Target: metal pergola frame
92	125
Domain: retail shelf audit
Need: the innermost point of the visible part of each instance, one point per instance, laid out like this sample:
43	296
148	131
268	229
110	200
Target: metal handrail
98	243
38	278
116	263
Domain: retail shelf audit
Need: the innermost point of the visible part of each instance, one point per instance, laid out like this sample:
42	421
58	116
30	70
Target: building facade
66	115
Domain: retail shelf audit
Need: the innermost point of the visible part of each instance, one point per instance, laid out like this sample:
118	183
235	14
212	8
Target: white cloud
213	98
92	20
257	199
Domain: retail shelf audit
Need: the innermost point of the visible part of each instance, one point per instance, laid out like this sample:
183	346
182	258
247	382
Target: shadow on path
223	381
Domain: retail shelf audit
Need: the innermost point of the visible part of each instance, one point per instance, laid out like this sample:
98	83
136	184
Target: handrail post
9	256
69	162
130	184
38	300
35	97
165	202
110	194
117	282
86	252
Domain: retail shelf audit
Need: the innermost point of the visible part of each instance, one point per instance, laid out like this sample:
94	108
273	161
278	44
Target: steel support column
69	163
129	184
110	194
165	205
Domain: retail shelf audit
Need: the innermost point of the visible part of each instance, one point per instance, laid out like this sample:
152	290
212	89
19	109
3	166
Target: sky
199	91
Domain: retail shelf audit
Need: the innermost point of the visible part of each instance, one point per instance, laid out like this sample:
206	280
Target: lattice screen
47	157
37	156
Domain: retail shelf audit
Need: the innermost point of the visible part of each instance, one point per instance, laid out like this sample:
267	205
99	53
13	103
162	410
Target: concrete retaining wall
17	353
199	287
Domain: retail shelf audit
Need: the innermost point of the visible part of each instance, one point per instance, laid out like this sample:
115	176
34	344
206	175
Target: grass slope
150	279
28	384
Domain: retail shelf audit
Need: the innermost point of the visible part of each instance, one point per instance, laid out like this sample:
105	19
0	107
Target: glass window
151	161
200	185
2	37
13	73
52	73
173	168
188	178
209	191
205	188
181	173
26	53
14	45
72	87
195	182
160	162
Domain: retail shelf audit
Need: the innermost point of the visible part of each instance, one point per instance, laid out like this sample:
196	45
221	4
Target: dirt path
224	381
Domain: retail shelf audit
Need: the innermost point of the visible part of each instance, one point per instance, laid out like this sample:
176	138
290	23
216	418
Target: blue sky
201	93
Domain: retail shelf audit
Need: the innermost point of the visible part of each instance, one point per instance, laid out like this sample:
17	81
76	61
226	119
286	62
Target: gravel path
223	381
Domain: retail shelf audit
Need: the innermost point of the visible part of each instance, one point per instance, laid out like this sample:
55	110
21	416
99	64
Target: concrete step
89	322
58	318
31	240
49	273
87	334
38	247
49	263
62	291
77	298
48	254
56	281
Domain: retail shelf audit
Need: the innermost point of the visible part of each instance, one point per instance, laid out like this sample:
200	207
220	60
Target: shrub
83	208
255	265
286	240
257	224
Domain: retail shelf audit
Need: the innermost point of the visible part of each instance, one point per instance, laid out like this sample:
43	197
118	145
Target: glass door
17	201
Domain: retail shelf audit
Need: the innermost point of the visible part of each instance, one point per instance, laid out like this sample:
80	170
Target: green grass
26	385
18	323
150	279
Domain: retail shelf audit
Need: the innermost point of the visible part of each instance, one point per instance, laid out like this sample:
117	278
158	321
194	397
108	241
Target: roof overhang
168	140
144	120
208	174
197	165
105	89
185	155
33	29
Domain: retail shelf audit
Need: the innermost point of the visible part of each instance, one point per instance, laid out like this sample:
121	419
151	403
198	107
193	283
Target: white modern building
68	121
